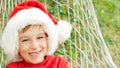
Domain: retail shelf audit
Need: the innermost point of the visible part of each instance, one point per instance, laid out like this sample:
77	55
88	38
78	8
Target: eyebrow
41	34
26	36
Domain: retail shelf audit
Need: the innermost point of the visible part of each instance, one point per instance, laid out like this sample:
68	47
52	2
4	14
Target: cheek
23	47
44	45
22	51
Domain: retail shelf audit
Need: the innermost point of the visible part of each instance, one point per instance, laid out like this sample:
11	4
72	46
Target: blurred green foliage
108	13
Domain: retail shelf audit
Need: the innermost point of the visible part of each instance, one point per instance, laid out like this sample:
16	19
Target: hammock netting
86	47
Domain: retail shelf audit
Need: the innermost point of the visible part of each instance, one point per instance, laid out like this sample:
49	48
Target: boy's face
33	44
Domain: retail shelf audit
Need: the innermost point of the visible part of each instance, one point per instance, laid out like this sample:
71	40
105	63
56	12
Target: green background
108	13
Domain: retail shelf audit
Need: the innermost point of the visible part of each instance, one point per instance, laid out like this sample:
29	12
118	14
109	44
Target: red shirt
49	62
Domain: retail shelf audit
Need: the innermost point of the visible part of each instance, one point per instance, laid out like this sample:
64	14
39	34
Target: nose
35	44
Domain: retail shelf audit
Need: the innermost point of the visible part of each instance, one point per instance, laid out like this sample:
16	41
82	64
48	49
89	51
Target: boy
32	36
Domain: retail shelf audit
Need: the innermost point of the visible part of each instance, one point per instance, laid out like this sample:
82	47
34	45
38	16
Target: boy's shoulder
13	65
57	59
59	62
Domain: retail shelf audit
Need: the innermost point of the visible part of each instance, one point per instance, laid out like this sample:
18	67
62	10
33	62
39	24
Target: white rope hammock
86	48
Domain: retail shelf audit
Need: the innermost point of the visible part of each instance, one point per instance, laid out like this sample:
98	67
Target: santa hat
28	13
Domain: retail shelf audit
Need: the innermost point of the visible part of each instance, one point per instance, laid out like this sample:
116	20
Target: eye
25	40
40	37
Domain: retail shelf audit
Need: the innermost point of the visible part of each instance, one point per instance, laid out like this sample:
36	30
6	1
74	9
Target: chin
36	61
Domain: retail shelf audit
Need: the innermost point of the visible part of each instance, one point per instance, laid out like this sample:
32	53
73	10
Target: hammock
86	47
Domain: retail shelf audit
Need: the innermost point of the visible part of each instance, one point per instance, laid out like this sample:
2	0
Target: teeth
34	54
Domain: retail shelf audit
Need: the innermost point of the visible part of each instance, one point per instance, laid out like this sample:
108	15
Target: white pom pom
64	30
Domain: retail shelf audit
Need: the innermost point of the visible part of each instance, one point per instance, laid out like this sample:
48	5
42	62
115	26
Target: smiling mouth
34	55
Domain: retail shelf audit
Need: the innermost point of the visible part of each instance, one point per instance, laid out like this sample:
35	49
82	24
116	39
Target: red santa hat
28	13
